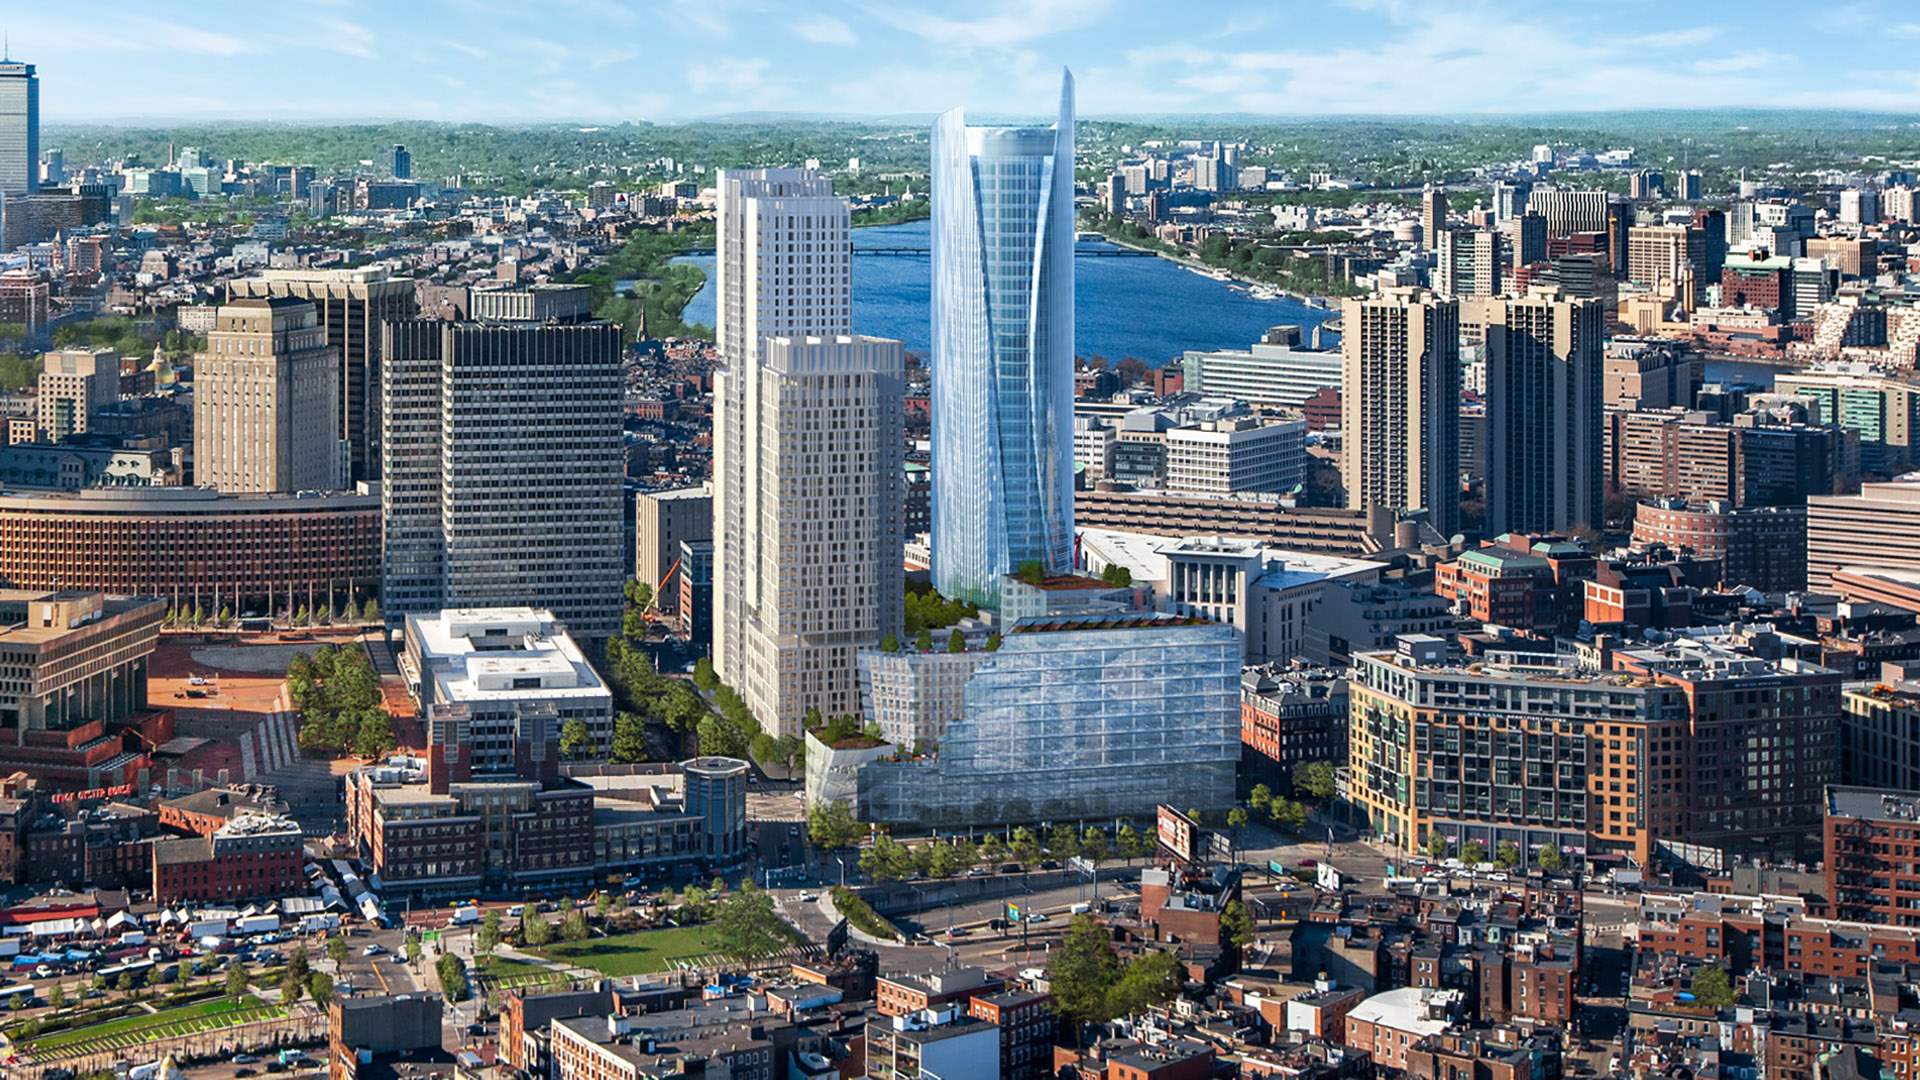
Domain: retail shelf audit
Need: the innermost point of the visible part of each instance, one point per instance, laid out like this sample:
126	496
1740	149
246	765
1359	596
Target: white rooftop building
1267	593
497	662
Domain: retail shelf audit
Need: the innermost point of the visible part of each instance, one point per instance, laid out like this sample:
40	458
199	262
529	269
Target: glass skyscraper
1002	242
20	128
1078	717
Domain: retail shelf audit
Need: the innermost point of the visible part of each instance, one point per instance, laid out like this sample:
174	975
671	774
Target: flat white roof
1401	1010
528	644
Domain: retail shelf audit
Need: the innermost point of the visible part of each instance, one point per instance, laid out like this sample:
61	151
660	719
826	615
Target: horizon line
771	115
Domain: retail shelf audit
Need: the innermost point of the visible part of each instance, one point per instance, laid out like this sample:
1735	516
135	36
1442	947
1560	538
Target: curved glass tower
1002	240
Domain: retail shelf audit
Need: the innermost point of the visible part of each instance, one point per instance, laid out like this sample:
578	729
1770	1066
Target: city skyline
439	61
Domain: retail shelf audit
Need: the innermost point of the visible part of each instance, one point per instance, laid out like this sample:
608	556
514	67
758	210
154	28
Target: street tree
746	927
1083	973
1236	924
1152	977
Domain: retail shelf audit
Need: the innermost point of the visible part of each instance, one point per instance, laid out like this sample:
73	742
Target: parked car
516	911
245	1059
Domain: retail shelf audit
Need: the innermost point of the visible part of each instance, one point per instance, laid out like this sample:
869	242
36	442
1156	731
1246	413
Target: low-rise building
680	1042
1389	1025
933	1042
1868	879
904	995
106	845
1356	616
251	857
460	828
1028	1030
1220	457
207	812
1759	547
1289	718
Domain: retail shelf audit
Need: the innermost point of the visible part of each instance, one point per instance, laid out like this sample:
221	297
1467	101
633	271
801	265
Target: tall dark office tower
351	305
402	163
19	128
1546	465
503	465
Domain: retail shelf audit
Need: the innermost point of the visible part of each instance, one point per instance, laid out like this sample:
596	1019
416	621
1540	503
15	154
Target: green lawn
516	974
634	954
133	1030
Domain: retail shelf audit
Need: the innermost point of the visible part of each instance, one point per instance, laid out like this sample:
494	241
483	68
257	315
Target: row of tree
831	826
197	616
1506	854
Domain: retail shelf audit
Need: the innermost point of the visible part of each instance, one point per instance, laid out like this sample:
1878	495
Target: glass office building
20	129
1002	246
1079	717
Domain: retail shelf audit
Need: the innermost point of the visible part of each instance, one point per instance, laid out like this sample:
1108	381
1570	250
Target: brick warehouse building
251	857
204	813
461	830
192	546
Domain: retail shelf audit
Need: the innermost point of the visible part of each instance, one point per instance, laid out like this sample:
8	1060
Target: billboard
1178	833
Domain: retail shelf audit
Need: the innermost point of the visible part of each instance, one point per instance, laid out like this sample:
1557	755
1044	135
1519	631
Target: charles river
1124	305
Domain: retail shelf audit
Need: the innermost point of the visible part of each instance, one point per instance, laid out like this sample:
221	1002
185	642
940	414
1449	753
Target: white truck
464	915
207	928
257	924
325	920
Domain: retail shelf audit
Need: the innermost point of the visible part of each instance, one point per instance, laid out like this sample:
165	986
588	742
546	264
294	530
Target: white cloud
826	30
1752	60
1014	23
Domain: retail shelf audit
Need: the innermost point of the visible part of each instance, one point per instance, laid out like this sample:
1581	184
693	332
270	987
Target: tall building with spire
1002	246
809	489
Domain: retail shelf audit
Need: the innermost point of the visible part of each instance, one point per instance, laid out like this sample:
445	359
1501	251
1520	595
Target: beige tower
808	487
1400	404
74	384
351	305
266	401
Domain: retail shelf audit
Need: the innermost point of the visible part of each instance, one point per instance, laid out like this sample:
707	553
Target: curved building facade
191	546
1760	547
1002	253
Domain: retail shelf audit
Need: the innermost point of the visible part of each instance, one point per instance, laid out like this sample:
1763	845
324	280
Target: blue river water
1123	306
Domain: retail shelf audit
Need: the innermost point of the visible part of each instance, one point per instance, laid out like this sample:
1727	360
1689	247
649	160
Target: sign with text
1177	832
91	793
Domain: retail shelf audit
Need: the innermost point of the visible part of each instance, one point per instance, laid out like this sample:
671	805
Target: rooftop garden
843	732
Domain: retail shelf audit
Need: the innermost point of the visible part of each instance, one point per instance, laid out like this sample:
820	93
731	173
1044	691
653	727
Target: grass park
506	974
634	954
135	1030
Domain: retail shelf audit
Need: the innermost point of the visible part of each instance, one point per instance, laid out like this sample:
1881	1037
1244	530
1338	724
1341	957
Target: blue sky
610	60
